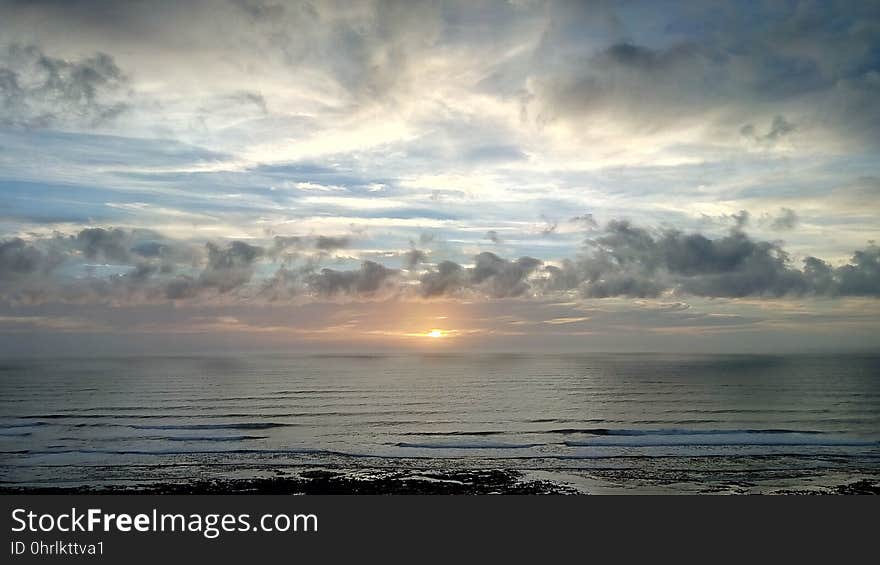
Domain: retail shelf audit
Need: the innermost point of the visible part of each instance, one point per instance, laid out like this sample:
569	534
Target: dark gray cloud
779	128
586	220
148	266
37	90
288	281
862	276
732	76
621	259
627	55
286	248
490	274
561	278
259	10
741	219
785	221
447	278
326	243
627	260
142	273
19	259
493	236
819	276
292	246
549	225
229	267
283	242
500	277
631	261
637	84
369	279
182	287
236	254
126	247
149	249
414	257
111	245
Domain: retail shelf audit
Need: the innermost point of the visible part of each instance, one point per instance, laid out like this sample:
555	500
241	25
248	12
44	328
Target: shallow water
88	422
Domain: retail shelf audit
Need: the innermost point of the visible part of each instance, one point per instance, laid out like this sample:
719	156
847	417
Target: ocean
637	423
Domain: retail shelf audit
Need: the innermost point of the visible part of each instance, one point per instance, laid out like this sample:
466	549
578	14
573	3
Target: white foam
723	439
466	445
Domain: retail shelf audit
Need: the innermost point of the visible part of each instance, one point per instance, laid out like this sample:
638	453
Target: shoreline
324	481
378	481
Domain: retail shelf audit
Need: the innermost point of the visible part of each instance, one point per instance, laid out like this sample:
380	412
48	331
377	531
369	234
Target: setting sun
435	333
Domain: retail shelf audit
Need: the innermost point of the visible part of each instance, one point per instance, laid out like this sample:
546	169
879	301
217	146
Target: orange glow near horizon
435	334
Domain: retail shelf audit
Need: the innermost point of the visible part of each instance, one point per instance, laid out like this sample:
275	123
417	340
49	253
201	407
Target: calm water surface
67	421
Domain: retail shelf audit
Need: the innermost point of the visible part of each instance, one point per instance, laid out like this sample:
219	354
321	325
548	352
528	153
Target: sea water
632	418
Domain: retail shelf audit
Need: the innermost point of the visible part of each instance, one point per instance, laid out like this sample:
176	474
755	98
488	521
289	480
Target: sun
435	334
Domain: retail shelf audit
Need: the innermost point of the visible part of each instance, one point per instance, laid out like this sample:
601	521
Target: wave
154	416
232	426
605	432
564	421
467	445
22	425
69	451
341	413
809	456
105	440
691	432
15	434
210	438
460	433
725	438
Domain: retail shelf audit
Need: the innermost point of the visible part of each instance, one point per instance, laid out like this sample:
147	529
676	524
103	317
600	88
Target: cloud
286	247
311	132
785	221
228	268
106	245
490	275
325	243
259	10
620	260
289	247
285	284
564	277
413	257
726	82
500	277
231	266
40	91
549	226
18	259
368	280
586	220
446	279
644	88
741	219
779	128
861	277
631	261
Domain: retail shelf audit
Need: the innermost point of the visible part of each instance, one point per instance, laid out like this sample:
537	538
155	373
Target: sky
481	176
